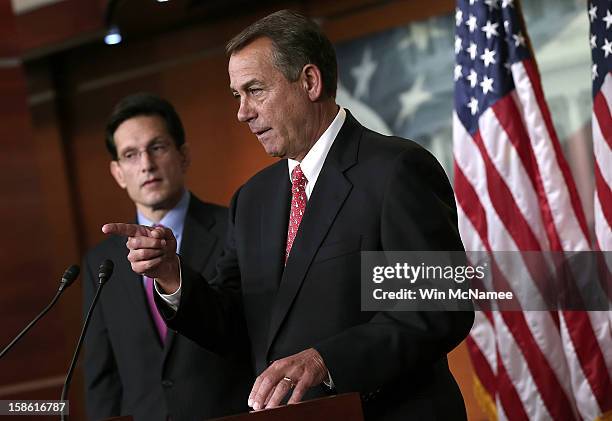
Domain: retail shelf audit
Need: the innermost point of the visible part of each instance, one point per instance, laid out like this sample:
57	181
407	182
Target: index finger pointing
128	230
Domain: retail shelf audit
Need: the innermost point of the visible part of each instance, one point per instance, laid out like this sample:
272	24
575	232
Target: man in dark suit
291	266
133	363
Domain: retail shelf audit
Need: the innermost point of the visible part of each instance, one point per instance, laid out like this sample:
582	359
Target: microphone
104	273
68	278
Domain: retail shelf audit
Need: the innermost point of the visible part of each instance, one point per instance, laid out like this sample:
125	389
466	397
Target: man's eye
236	95
129	155
255	91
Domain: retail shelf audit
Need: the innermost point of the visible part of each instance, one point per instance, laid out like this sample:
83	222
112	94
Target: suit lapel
135	292
198	242
168	344
196	246
326	200
274	225
130	280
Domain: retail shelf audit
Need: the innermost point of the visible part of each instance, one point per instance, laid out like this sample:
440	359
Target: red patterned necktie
298	205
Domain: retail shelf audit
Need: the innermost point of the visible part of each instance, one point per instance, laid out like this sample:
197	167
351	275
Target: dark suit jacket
373	193
127	369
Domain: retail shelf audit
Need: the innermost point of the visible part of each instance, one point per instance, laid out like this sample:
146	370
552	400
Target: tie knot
298	179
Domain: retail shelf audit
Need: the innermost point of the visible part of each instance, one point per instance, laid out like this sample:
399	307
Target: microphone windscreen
106	270
70	275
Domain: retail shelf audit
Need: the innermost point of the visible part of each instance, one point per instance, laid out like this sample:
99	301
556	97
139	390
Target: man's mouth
151	182
260	133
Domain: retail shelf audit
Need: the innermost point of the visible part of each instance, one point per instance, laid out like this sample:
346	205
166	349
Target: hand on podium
299	372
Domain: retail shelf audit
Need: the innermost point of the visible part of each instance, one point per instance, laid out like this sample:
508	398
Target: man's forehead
250	65
140	130
136	141
258	52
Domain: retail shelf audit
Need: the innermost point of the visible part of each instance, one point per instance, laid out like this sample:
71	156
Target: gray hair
297	41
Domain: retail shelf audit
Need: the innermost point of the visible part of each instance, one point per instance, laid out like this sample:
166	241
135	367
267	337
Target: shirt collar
174	219
313	161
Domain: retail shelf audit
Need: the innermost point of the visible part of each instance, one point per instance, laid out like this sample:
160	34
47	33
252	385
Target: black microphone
67	279
104	273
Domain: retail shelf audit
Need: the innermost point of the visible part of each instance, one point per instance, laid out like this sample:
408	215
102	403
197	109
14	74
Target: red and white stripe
515	192
602	149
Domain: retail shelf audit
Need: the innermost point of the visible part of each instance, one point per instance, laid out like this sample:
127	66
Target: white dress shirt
311	167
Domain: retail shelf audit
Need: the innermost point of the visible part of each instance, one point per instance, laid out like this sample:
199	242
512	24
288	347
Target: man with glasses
133	364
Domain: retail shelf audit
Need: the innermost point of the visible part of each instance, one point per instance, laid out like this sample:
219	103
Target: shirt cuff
173	300
329	382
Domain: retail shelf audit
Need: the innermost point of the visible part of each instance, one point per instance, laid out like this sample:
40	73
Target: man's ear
185	153
117	173
312	81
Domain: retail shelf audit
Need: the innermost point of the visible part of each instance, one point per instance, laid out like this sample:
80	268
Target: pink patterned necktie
298	205
160	324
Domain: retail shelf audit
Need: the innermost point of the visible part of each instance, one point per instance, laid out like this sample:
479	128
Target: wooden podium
335	408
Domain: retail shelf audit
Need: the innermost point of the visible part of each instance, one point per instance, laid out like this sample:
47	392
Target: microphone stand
105	272
67	279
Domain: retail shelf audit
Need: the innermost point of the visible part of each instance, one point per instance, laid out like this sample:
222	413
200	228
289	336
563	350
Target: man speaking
291	265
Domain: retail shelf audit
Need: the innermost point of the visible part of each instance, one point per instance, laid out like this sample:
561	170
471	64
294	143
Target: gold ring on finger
290	381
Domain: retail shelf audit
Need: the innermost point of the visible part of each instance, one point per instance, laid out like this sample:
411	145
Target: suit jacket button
167	383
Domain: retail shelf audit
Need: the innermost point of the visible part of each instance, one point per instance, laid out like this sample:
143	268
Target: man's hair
297	41
144	104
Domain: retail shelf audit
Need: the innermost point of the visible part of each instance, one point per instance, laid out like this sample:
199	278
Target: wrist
169	282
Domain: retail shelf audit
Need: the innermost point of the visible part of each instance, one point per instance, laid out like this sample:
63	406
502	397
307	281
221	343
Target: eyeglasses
154	150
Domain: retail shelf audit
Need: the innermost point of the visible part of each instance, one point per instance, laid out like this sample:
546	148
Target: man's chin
163	200
156	202
270	148
274	152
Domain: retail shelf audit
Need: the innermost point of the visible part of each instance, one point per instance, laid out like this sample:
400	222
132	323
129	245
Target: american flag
515	193
600	16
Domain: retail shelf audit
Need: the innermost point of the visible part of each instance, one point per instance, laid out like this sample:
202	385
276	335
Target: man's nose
147	163
246	112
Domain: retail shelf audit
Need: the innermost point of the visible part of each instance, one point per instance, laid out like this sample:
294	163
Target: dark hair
148	105
297	41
